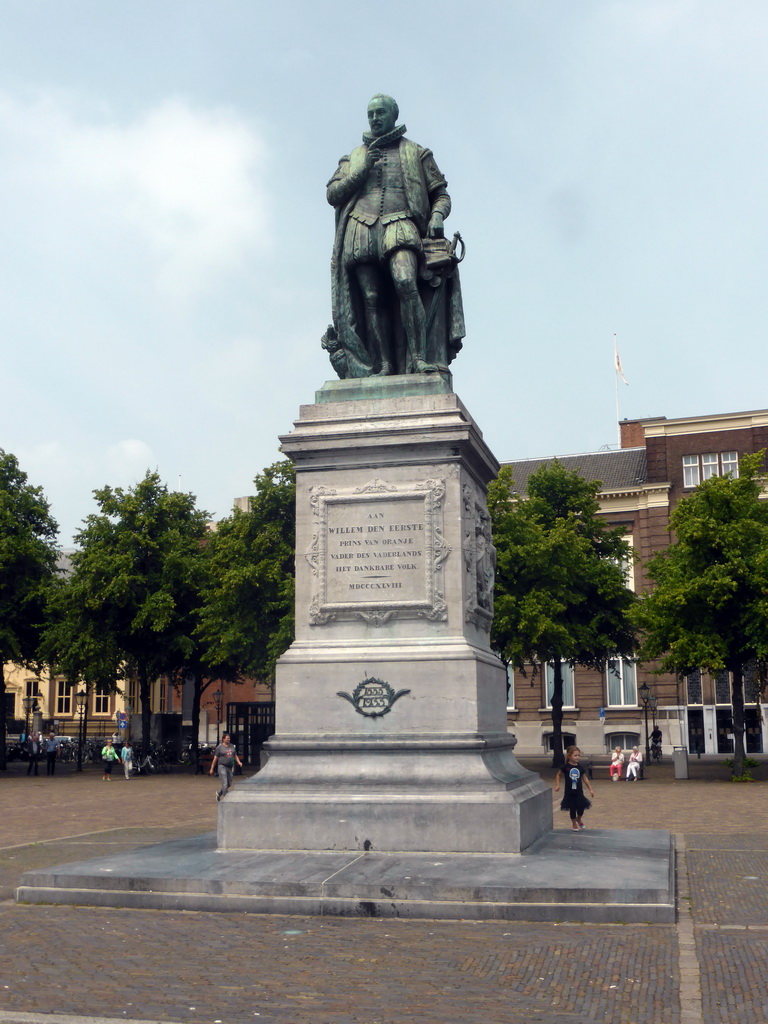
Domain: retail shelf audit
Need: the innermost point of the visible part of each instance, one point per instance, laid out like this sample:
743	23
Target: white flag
617	361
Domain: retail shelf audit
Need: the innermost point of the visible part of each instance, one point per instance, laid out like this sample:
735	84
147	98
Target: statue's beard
379	141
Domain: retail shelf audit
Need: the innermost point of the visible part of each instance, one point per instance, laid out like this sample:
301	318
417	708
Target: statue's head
382	114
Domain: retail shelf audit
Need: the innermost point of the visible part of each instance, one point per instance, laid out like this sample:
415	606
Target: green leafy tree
561	593
27	567
200	668
709	604
248	617
137	583
74	641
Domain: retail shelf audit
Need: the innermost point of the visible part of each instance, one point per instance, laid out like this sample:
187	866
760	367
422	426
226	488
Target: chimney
632	433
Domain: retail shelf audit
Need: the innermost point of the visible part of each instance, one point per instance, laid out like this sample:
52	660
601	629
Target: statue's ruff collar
384	140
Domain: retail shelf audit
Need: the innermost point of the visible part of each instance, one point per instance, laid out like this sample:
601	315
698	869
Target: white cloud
71	470
128	460
181	184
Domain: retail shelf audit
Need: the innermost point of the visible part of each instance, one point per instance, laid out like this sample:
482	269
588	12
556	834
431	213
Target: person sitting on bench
635	760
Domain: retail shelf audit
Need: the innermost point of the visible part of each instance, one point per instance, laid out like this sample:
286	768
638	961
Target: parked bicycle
144	764
67	751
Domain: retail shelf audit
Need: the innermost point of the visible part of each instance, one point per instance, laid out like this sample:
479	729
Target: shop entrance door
753	731
696	730
724	722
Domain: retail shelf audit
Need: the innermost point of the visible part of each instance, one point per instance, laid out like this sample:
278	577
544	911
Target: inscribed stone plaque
377	552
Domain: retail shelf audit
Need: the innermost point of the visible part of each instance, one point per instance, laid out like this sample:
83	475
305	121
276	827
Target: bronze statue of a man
396	296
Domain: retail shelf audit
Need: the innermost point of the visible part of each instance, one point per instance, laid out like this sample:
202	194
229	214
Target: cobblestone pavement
710	968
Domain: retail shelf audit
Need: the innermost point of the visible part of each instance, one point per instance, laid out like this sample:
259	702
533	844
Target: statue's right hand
372	157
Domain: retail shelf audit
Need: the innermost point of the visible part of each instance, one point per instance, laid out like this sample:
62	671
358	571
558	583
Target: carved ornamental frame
432	606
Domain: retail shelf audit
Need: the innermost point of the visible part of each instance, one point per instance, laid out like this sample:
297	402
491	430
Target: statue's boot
376	345
415	327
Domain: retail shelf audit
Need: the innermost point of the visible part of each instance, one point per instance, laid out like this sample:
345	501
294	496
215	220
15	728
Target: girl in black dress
573	797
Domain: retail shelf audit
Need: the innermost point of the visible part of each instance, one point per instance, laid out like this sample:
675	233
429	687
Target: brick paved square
734	976
200	968
729	886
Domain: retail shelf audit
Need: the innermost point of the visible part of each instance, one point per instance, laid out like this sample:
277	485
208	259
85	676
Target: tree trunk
197	692
738	720
3	764
557	714
145	696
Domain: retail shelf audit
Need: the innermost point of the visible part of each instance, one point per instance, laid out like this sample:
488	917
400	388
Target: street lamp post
650	700
81	699
29	705
128	716
218	699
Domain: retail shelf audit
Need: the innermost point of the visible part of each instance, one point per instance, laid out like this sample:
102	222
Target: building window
703	467
101	701
753	690
622	683
709	465
568	691
627	564
693	683
723	688
548	739
510	688
30	688
729	464
63	697
691	475
625	740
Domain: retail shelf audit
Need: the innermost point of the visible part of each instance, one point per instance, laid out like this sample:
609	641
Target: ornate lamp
649	699
218	700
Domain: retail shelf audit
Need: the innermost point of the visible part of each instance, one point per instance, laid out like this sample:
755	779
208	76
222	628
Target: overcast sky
164	275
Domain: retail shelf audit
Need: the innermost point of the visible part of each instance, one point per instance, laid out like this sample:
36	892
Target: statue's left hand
435	228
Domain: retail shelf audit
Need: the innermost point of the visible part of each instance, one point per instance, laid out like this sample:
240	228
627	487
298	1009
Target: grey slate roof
618	470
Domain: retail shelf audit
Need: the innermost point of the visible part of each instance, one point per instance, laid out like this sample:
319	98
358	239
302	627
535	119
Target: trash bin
680	759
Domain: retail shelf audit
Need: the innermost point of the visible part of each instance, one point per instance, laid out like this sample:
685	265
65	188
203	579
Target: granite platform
598	875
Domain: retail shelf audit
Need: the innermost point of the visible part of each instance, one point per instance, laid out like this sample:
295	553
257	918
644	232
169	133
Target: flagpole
616	385
619	372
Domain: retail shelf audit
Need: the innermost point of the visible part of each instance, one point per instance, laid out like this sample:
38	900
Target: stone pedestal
391	709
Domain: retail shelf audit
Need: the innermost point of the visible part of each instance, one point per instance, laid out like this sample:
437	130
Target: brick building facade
659	462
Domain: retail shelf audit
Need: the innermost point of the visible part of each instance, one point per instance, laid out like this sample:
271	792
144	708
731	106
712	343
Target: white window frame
64	691
569	687
628	563
101	701
729	464
697	468
691	472
625	671
710	465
